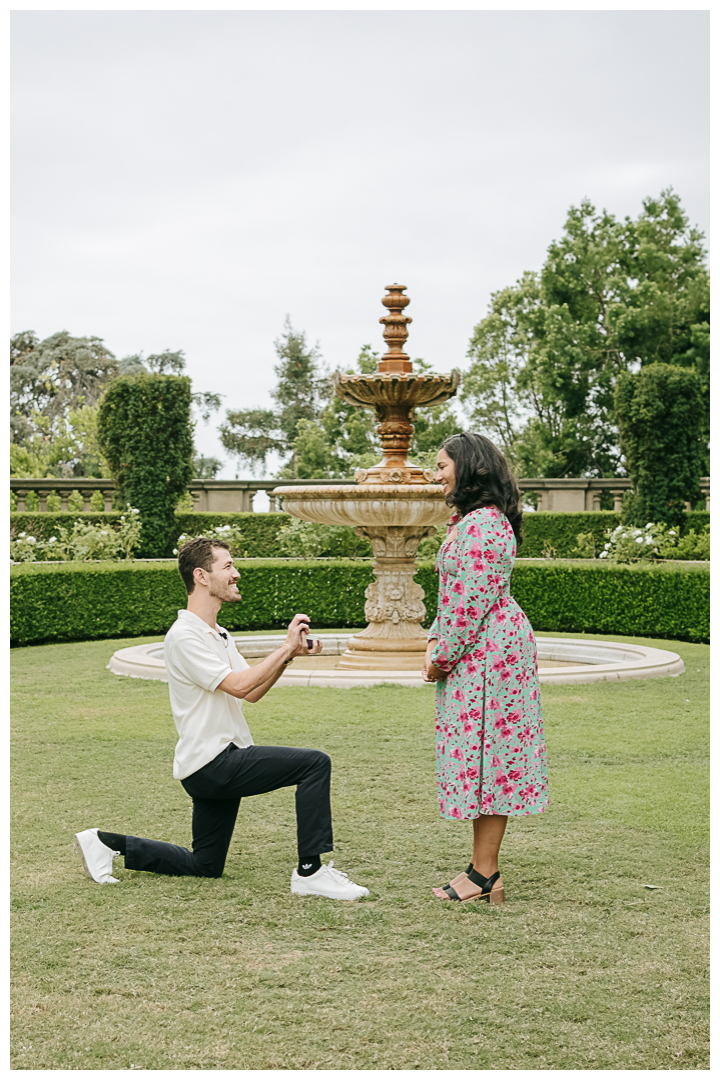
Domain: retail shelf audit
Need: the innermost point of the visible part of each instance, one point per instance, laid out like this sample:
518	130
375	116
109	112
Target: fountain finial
395	332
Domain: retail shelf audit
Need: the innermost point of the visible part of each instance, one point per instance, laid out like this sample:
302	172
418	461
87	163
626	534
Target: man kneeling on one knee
216	760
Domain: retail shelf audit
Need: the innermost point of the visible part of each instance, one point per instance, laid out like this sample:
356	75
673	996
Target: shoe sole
324	896
78	845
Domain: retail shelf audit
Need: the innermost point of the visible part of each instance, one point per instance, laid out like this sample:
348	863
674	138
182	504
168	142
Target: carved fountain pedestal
395	504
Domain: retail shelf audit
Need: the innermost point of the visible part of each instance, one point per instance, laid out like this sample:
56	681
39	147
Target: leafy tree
145	432
206	468
613	296
50	378
171	363
56	386
659	411
252	434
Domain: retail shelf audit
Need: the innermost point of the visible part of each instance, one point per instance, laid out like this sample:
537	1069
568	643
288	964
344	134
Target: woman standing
481	653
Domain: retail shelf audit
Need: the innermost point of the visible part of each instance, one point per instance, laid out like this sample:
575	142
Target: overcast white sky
185	179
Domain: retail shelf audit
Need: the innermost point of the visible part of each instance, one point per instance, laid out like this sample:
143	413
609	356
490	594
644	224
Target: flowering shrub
309	539
229	534
85	540
627	544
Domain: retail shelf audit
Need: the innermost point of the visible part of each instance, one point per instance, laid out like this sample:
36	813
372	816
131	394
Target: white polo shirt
207	719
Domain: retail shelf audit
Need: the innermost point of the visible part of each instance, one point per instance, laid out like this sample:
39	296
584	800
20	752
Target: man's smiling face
222	579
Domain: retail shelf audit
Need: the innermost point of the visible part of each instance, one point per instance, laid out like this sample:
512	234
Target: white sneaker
327	881
97	857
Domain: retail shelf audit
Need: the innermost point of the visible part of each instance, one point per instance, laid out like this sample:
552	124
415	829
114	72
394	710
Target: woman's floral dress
489	729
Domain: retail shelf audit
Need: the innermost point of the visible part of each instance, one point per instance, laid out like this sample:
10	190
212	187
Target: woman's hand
430	673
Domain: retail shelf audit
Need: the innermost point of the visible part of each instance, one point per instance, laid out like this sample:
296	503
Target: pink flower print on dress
526	736
473	529
455	812
509	789
489	555
457	753
515	774
473	772
533	695
472	668
512	658
522	677
458	588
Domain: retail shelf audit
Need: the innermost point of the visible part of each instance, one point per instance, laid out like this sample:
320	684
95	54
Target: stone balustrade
566	495
572	495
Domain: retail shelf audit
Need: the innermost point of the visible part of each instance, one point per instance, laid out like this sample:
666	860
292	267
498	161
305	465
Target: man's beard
223	593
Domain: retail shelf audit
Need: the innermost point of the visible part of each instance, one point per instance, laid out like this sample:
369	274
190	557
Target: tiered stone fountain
395	504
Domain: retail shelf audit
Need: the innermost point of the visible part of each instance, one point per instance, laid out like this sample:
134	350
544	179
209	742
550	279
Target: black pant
216	791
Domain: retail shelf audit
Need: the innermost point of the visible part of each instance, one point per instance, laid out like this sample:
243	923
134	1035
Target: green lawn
583	968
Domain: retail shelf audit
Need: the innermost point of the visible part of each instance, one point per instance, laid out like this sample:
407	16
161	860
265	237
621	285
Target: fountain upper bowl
374	504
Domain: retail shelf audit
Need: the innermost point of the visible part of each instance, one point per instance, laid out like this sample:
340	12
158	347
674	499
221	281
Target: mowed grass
583	968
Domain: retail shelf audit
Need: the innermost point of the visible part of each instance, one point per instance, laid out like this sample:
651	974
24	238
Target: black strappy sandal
486	885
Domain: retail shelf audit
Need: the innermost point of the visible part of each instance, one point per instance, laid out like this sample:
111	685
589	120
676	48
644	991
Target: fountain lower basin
560	660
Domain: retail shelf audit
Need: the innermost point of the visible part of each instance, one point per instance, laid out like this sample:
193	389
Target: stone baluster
273	503
42	500
617	501
64	493
21	497
108	497
596	500
86	497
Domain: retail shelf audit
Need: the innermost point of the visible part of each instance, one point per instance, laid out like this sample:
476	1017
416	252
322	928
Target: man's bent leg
254	770
213	824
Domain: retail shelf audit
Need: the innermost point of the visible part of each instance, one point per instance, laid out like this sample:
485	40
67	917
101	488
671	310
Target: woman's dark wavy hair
483	478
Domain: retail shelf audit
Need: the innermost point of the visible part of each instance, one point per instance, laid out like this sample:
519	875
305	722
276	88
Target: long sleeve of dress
434	630
469	590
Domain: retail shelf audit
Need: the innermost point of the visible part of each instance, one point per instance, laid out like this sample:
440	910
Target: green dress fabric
490	745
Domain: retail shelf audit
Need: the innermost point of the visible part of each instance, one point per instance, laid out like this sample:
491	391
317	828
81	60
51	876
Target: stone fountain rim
350	490
641	662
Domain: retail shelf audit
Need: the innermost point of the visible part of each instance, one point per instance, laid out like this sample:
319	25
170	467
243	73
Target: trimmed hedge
260	530
84	601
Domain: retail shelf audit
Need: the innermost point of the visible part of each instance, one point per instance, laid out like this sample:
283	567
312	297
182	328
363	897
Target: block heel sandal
486	885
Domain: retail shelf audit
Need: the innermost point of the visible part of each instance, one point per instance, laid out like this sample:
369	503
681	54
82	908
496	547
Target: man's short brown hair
197	553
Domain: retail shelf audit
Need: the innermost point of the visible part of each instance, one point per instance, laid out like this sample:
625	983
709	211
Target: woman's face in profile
445	474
